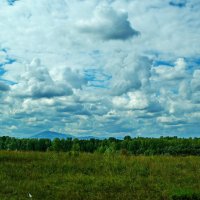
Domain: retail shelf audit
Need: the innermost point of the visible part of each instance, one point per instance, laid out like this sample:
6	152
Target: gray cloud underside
4	87
107	24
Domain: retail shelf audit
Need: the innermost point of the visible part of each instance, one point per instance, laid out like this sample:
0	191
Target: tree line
128	145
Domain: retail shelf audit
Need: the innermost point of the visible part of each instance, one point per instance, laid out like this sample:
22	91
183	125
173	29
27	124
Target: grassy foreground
96	176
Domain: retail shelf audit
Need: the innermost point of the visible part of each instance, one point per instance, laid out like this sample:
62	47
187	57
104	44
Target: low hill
51	135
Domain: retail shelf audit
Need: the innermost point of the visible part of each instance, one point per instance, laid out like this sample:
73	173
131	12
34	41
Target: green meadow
94	176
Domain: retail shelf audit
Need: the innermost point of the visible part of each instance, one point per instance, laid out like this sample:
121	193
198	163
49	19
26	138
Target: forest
126	146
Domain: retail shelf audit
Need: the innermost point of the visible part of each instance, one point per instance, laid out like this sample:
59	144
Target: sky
106	68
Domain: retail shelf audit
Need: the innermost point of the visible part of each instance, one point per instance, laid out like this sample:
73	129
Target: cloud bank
106	68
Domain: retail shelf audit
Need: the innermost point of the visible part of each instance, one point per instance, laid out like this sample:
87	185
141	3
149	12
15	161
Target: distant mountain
51	135
87	137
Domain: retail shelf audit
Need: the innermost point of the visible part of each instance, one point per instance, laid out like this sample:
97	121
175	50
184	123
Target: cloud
74	78
133	74
178	3
195	83
170	120
108	24
132	101
73	108
11	2
172	73
36	82
4	87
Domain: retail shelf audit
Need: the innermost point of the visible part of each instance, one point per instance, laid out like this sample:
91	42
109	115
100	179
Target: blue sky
100	67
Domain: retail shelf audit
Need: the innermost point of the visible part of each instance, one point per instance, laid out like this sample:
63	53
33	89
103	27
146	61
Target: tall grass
96	176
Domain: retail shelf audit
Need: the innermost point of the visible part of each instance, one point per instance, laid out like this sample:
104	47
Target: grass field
97	176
